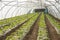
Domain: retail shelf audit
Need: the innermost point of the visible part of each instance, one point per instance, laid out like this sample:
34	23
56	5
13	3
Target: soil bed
33	33
51	30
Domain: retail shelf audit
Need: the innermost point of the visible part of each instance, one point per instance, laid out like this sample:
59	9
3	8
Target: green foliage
54	22
15	21
23	30
42	33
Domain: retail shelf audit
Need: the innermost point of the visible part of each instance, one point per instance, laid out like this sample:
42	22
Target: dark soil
4	36
33	33
51	30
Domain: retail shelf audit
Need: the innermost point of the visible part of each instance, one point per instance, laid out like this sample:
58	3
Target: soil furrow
3	37
51	30
33	33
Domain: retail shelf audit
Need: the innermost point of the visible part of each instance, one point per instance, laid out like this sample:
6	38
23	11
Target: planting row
54	22
13	24
23	30
42	33
12	19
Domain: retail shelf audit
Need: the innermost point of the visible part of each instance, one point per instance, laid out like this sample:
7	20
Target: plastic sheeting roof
11	8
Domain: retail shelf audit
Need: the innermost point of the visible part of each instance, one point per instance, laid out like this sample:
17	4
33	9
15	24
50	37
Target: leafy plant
23	30
42	33
54	22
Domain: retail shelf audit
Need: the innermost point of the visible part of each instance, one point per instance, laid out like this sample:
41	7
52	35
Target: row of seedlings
42	33
18	20
55	23
23	30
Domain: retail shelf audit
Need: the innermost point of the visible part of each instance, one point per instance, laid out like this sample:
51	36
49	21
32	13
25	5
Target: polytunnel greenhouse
29	19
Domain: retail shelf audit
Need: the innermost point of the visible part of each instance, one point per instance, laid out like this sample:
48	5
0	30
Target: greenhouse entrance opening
39	10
